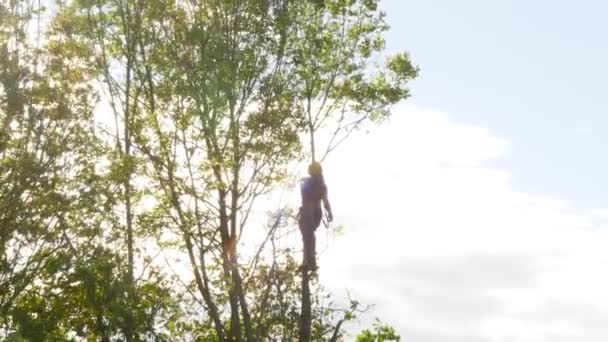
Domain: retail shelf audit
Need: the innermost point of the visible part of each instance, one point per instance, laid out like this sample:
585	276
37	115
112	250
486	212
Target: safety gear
315	169
329	216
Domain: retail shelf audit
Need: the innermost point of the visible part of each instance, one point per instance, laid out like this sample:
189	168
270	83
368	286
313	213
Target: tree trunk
305	316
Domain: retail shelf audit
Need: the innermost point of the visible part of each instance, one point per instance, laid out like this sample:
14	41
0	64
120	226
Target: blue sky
533	72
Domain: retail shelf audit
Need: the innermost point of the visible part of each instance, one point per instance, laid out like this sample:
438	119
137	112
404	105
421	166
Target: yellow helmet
315	169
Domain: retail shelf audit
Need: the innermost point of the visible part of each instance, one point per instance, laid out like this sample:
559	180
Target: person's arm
330	215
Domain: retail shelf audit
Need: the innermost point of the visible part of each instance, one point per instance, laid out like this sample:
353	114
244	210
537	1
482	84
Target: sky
479	213
532	71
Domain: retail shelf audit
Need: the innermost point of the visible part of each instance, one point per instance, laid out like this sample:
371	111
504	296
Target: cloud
448	250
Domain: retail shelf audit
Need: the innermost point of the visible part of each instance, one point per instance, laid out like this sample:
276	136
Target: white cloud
448	250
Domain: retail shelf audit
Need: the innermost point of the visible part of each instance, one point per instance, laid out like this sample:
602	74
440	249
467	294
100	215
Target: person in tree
314	192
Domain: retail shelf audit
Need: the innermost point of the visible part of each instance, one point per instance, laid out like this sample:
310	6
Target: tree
59	273
212	101
45	139
336	86
221	93
381	333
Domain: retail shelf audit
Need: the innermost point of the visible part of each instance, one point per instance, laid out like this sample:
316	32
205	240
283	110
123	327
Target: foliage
380	333
209	103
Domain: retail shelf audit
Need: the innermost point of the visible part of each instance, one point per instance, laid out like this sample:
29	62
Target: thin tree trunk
131	26
235	324
305	316
238	282
128	206
311	130
200	276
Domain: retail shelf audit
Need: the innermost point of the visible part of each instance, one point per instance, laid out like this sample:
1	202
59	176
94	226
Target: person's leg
309	261
313	252
307	228
306	246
